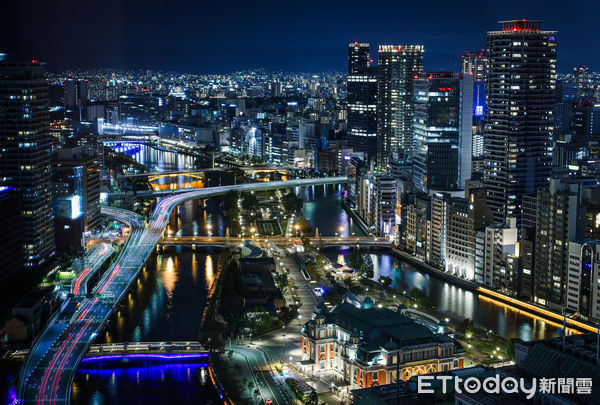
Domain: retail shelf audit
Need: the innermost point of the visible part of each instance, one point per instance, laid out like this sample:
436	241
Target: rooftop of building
546	358
379	328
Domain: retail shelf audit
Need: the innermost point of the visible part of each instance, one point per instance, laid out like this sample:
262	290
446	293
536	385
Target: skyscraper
583	84
25	160
442	124
475	64
519	117
359	56
362	112
398	65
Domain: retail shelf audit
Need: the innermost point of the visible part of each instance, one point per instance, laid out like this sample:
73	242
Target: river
165	304
322	208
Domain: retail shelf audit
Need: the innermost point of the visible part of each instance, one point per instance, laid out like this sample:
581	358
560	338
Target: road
48	373
265	380
97	255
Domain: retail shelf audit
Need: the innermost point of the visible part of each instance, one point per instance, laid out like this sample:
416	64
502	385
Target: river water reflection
165	304
454	300
323	210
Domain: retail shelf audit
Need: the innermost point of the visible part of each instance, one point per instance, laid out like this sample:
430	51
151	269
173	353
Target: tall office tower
519	117
25	147
475	64
443	127
398	65
582	81
362	112
359	57
76	98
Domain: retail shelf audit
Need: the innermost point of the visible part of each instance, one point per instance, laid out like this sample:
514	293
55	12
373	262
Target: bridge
269	185
199	173
109	349
48	372
319	240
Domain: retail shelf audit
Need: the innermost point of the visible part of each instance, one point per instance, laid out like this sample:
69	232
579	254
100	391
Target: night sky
310	36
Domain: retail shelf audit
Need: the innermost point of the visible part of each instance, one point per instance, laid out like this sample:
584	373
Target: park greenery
363	264
232	212
310	399
249	201
291	202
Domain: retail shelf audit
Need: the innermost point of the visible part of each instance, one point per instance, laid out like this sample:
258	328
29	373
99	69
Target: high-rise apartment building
359	56
475	64
362	112
398	65
442	123
519	117
583	82
466	216
561	218
440	208
25	154
583	291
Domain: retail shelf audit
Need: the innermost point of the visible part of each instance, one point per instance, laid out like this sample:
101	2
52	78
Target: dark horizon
206	38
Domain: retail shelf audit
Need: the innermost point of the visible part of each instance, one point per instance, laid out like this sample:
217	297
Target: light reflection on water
167	306
159	384
323	210
454	300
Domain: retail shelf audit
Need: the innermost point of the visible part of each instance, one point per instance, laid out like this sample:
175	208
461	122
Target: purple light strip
145	356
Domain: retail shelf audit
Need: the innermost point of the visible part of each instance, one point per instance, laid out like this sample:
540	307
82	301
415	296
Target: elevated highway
47	375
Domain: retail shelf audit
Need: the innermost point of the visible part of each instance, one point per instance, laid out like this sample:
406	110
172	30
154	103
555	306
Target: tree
416	294
288	314
249	201
291	202
367	267
510	348
282	281
385	281
311	399
304	225
355	260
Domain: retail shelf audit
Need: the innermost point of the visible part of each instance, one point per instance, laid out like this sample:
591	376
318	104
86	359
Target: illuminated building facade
442	123
359	56
370	346
362	112
398	65
583	290
25	154
519	117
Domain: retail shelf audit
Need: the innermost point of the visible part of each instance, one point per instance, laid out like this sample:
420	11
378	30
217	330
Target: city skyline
327	201
130	36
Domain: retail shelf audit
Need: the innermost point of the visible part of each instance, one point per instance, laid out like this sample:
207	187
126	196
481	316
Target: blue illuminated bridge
48	372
